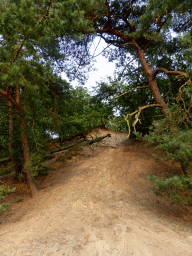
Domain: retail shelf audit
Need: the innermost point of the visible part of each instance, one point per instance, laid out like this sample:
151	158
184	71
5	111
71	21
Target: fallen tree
98	139
74	144
63	148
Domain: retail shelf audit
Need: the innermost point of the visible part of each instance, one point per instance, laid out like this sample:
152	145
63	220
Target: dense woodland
150	96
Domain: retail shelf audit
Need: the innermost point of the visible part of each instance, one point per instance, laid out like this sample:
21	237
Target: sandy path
100	205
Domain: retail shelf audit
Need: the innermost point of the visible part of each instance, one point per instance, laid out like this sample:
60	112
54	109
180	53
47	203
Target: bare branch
142	108
138	87
179	97
4	117
174	73
17	94
178	73
137	113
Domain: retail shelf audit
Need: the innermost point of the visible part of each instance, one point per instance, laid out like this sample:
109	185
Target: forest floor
97	203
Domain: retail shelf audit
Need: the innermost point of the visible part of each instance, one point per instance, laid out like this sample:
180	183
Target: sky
104	68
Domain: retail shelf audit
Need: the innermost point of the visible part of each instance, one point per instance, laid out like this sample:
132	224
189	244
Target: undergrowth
177	188
3	192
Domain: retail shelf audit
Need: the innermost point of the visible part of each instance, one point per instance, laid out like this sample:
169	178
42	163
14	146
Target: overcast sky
104	68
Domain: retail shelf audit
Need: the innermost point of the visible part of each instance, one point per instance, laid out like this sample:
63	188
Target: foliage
124	98
117	124
22	64
178	188
78	112
3	191
186	43
173	139
49	39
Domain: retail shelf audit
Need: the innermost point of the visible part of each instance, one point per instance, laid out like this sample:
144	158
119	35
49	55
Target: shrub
178	188
173	140
3	192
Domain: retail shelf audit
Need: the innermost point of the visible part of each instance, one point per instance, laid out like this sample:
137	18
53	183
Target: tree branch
25	37
129	11
146	46
137	113
108	14
8	97
138	87
174	73
178	73
5	116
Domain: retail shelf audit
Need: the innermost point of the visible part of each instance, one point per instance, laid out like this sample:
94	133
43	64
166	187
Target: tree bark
152	82
24	140
63	148
15	162
147	69
26	156
25	146
98	139
11	129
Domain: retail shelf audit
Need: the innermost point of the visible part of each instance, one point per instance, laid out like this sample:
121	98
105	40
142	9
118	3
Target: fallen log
48	155
98	139
62	148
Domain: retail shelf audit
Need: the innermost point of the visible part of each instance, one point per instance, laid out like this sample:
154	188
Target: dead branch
74	144
138	87
172	72
9	98
179	97
64	148
98	139
137	113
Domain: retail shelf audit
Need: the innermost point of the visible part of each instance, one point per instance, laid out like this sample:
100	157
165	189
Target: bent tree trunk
152	82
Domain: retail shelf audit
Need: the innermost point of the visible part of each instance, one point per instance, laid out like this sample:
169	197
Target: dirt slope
99	205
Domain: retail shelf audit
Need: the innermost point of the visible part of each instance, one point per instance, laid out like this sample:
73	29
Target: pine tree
24	25
138	28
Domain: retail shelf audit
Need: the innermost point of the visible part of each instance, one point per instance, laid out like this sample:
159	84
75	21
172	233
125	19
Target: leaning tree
138	28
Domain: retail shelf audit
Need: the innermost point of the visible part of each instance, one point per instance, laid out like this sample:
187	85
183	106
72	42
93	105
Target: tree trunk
26	156
98	139
60	141
25	146
15	162
148	71
152	82
11	130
